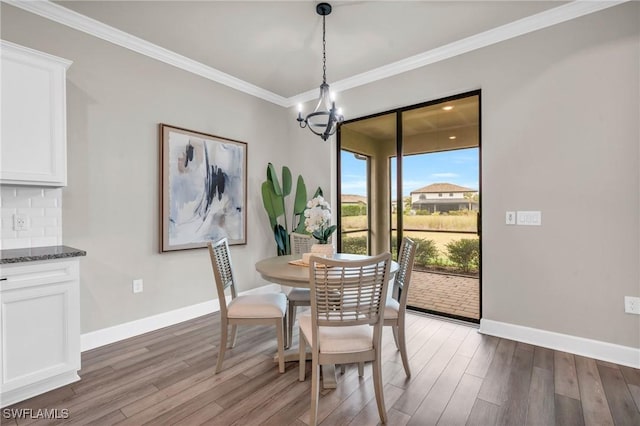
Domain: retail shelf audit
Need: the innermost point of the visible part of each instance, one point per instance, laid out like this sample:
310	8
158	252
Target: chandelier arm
330	125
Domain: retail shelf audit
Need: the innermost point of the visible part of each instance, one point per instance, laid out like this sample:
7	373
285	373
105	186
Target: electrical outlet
632	305
510	218
137	286
20	222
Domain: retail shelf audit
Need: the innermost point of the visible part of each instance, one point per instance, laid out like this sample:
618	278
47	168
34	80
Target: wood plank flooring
459	377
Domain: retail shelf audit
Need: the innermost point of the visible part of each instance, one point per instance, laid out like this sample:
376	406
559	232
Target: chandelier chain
324	52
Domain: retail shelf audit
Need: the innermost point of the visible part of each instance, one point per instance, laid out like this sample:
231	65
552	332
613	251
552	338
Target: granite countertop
39	253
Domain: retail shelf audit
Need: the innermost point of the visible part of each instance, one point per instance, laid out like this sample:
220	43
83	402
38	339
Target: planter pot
323	250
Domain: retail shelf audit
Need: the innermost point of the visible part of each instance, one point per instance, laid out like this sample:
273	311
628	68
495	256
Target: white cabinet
34	124
39	328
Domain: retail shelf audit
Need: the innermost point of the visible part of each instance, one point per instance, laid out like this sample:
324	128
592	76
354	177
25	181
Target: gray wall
560	134
116	98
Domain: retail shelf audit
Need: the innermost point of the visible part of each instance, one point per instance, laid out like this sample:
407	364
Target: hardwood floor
459	377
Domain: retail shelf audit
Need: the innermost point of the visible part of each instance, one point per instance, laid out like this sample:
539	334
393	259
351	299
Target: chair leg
315	391
291	320
377	385
280	333
223	344
302	345
394	328
361	369
234	334
402	346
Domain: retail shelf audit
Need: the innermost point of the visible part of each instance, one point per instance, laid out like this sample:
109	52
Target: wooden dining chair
300	243
394	312
346	320
250	309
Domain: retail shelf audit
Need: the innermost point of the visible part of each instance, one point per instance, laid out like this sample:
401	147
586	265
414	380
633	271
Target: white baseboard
618	354
21	393
105	336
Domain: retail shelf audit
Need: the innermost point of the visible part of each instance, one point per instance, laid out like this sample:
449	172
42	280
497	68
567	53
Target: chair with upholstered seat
346	320
394	313
251	309
300	243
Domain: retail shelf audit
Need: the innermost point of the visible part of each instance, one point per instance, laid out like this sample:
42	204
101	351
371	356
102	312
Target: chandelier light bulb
325	98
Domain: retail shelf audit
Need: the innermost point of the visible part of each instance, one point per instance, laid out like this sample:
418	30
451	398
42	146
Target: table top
278	269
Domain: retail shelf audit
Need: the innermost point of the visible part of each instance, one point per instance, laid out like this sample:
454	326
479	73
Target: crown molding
77	21
495	35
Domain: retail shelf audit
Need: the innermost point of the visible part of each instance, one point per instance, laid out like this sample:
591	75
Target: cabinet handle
4	279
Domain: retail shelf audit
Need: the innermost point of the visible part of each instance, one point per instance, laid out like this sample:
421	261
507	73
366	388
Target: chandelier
324	120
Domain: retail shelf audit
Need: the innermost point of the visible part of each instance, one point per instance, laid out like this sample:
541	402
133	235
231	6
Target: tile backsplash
42	208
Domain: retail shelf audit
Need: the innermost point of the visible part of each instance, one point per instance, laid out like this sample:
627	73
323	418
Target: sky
460	167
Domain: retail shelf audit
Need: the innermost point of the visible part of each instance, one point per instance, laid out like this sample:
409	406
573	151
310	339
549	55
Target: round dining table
280	270
290	271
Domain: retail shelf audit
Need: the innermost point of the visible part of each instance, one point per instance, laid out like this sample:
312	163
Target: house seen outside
441	217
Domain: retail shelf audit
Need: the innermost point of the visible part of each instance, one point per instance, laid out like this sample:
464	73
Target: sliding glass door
423	179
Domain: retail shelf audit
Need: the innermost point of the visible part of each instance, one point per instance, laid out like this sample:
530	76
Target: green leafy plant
426	251
464	253
274	197
354	245
353	210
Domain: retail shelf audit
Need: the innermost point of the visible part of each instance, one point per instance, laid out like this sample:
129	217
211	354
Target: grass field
415	223
441	223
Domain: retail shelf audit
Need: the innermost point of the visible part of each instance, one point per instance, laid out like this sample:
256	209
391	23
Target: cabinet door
39	325
33	150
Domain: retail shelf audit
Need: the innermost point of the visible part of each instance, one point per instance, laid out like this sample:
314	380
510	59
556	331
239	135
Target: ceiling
273	49
434	123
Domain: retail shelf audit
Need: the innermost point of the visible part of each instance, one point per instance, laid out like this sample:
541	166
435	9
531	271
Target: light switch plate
529	218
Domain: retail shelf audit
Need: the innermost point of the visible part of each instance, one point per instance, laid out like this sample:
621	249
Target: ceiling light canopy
324	119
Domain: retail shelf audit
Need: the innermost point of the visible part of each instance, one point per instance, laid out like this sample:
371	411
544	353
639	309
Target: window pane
354	222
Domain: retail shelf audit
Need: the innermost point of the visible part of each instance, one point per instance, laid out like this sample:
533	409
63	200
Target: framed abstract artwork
203	189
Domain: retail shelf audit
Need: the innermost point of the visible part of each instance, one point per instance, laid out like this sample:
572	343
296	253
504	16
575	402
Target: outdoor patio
450	294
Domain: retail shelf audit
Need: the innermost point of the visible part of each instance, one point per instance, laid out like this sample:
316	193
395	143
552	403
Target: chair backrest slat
301	243
348	292
406	258
222	270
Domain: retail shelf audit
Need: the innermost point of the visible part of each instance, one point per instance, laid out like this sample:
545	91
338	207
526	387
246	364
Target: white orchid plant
318	219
